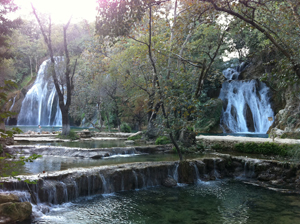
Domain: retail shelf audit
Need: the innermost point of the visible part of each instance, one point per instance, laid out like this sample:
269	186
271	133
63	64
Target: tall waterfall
41	106
246	104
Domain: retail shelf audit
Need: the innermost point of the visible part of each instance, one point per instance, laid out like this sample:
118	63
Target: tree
6	27
275	19
172	76
28	48
68	74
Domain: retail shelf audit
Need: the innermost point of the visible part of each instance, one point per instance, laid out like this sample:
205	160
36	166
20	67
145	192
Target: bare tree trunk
171	40
64	107
65	122
30	62
36	65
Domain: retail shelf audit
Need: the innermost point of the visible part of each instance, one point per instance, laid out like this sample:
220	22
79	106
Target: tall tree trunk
36	65
30	62
64	107
65	122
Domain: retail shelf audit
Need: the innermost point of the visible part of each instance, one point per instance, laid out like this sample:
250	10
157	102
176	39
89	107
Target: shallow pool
82	144
57	163
208	202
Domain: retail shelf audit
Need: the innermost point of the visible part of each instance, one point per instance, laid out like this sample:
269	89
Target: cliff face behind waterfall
284	101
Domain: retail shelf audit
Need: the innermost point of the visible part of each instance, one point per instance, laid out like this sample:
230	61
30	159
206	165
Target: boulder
85	134
152	132
129	142
169	182
4	198
188	138
11	212
275	132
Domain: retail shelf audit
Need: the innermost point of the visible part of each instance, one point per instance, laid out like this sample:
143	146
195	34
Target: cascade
41	106
246	104
197	180
10	109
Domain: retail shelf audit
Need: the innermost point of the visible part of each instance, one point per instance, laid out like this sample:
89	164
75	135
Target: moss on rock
13	212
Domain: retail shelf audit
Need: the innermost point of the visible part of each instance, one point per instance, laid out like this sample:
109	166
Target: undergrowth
162	140
72	135
135	137
266	148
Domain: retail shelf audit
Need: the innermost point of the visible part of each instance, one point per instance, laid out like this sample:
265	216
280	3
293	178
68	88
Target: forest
155	111
154	65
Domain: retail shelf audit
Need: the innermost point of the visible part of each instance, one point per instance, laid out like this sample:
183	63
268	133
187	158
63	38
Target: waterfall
41	106
197	180
246	104
10	109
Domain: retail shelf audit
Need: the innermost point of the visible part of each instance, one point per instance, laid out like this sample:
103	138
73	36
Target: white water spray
41	105
246	105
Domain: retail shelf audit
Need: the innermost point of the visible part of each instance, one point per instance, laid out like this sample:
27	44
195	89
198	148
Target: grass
136	137
266	148
26	81
72	136
162	140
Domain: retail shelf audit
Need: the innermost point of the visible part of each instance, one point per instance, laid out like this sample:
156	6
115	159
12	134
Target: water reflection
209	202
53	163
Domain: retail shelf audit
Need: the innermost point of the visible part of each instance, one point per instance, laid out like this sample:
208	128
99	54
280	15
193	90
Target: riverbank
229	141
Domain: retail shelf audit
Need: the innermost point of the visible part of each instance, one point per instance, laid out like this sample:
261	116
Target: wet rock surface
95	153
12	210
169	182
64	186
228	142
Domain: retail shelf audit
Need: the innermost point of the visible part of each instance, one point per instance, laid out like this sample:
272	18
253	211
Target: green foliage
266	148
162	140
136	137
72	135
217	146
210	111
125	128
292	135
294	153
5	134
9	165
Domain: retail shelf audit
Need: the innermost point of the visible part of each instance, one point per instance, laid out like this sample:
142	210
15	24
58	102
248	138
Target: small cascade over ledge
41	105
246	104
10	109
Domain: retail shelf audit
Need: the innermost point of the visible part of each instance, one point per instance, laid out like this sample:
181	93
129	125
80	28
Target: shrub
292	135
200	146
267	148
72	135
294	153
217	146
162	140
125	128
135	137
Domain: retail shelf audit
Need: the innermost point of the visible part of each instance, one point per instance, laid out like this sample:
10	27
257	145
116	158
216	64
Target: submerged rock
169	182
